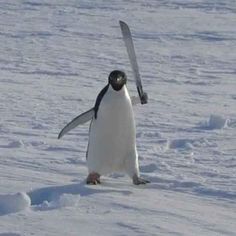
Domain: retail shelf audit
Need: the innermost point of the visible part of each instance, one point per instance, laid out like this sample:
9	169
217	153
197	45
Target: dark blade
127	37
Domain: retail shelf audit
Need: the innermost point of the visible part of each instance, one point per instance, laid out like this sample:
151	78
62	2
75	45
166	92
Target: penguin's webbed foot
137	180
93	179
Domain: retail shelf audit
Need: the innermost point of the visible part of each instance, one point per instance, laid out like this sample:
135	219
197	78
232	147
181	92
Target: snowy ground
55	57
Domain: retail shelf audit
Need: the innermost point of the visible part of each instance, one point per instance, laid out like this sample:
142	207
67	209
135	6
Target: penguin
112	133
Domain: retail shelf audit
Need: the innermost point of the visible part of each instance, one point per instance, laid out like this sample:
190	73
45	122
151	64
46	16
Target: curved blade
81	119
127	37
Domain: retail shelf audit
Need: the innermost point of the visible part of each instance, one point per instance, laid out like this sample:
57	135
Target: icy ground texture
55	56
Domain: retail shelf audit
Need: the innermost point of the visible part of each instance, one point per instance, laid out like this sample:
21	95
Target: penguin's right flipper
81	119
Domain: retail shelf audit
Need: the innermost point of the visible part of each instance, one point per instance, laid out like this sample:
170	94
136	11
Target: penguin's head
117	79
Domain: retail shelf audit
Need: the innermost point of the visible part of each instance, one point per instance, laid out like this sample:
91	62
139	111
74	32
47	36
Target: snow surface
55	57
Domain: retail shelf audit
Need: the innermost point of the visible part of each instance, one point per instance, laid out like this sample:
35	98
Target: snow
216	122
10	203
65	200
55	57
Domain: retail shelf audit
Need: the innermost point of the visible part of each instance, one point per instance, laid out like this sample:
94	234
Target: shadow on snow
38	196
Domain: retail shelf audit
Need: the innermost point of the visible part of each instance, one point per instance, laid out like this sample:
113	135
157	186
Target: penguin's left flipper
137	180
81	119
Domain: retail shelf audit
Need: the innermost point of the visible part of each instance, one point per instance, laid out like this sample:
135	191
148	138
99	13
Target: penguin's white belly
112	144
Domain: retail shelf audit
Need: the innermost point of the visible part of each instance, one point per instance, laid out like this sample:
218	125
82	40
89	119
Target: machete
127	37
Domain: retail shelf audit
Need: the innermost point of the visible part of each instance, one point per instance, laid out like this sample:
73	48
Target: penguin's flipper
81	119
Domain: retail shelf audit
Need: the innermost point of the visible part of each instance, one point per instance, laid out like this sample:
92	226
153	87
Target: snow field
55	57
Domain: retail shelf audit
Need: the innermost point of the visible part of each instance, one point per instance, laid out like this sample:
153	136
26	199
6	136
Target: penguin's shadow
49	194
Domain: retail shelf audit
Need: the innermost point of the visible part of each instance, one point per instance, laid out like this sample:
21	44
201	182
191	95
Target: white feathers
112	143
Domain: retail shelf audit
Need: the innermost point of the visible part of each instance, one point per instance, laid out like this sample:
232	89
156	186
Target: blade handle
143	96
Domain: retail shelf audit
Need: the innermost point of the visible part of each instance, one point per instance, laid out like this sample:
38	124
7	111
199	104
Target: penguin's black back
99	99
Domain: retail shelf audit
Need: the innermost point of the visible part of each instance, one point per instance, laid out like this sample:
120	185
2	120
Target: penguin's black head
117	79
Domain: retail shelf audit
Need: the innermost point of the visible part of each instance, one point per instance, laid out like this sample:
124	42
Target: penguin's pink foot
93	178
137	180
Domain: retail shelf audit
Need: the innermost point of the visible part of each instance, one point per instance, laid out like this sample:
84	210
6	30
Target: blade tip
122	23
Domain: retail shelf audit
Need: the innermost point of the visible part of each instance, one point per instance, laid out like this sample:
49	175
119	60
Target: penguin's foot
137	180
93	178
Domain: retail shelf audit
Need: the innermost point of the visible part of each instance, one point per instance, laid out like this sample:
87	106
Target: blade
127	37
81	119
